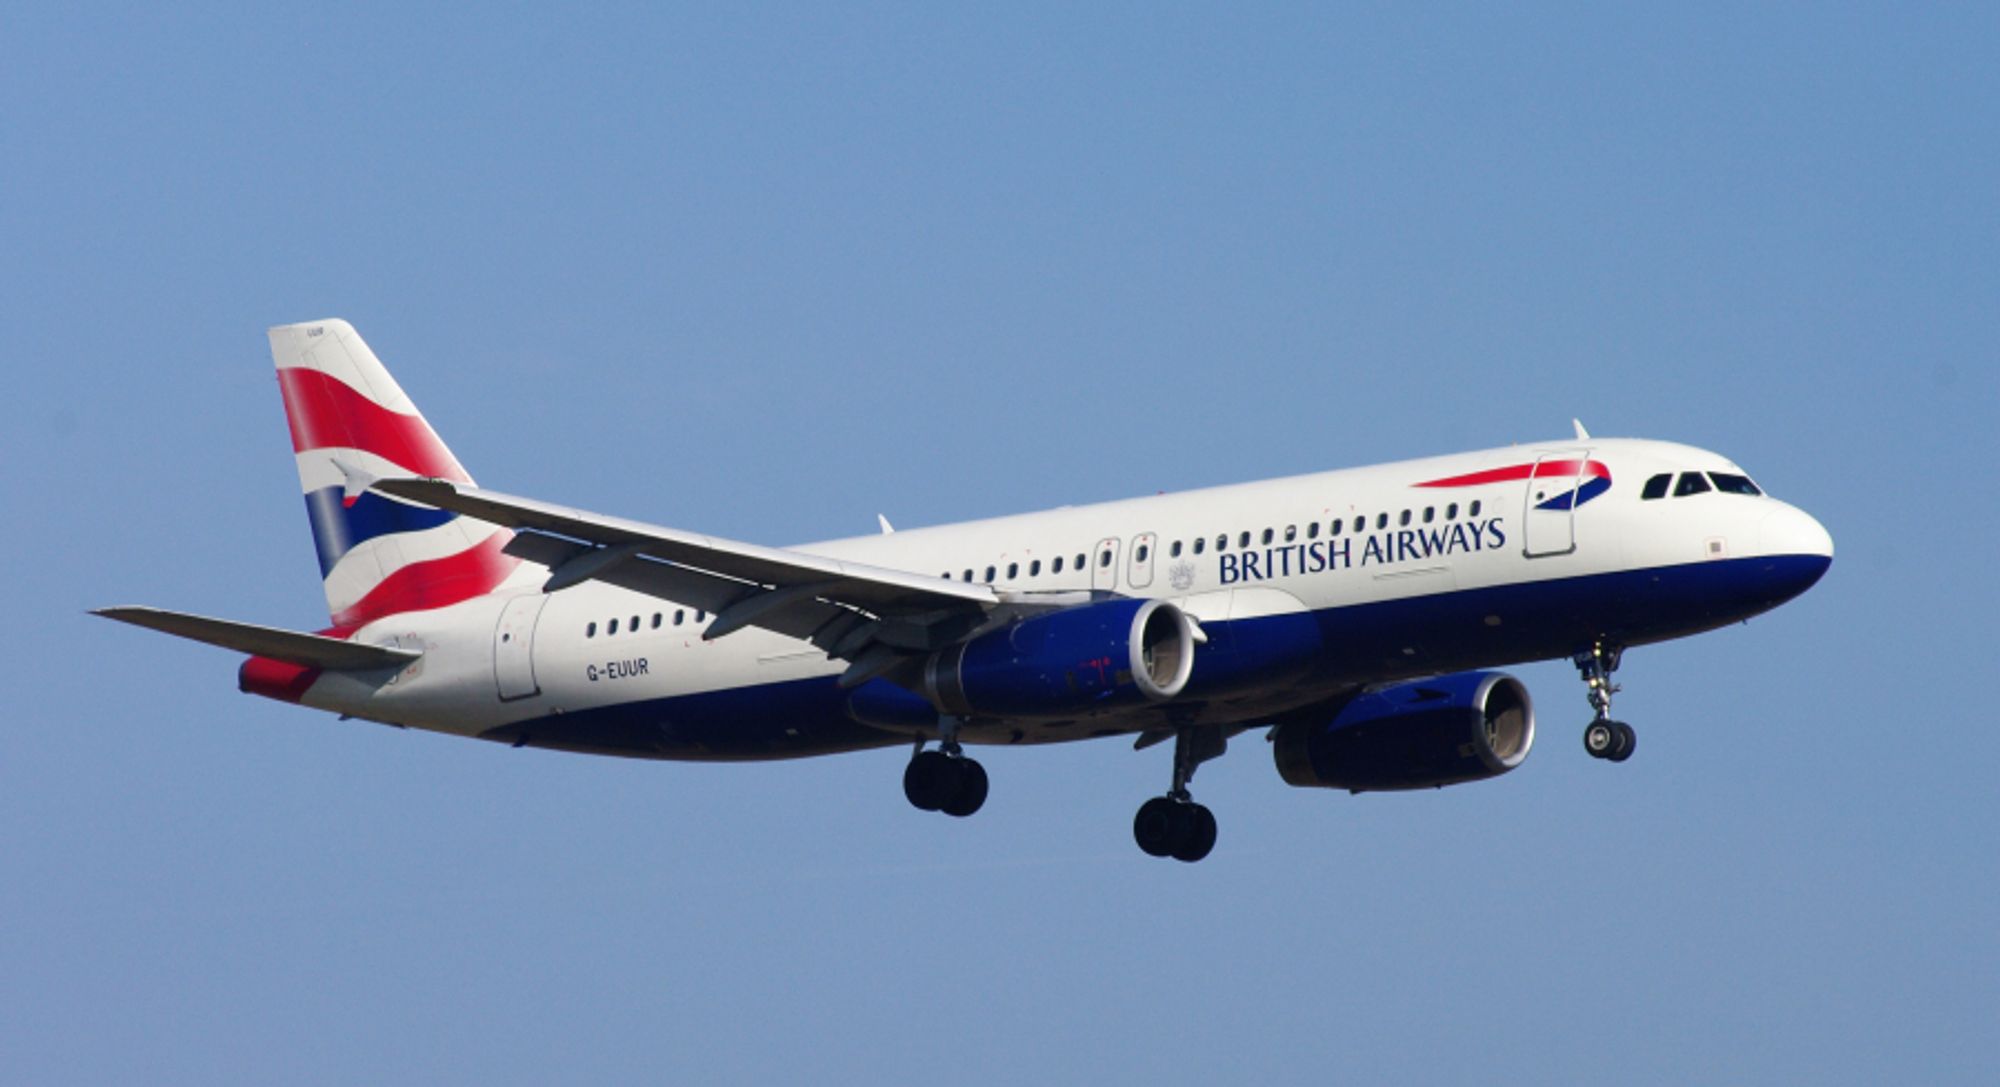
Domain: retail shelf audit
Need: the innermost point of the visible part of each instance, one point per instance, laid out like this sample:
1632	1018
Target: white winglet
1582	435
887	528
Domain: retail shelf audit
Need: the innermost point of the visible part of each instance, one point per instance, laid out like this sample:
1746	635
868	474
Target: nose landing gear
1603	737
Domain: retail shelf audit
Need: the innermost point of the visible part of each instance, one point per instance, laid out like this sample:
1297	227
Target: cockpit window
1691	483
1729	484
1656	487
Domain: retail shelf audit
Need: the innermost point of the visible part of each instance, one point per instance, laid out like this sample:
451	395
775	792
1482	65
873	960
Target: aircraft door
514	647
1141	573
1548	519
1104	565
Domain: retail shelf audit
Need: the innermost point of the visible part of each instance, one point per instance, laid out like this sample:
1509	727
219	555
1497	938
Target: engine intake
1424	734
1064	662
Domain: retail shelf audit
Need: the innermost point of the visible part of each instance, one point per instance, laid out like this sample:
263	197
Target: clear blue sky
767	274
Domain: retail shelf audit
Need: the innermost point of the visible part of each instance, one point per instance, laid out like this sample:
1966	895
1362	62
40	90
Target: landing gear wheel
1180	829
1161	824
1613	741
930	780
970	790
952	784
1201	835
1628	740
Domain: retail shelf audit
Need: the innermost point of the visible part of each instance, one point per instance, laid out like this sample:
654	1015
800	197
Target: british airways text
1378	549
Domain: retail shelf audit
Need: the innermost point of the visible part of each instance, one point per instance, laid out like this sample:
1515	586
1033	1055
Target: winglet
1582	435
887	528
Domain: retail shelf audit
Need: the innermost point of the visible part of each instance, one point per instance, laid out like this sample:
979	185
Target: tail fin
351	425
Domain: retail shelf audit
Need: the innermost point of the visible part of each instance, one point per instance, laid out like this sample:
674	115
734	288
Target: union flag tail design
351	425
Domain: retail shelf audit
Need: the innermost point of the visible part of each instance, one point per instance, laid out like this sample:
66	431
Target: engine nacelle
1065	662
1418	735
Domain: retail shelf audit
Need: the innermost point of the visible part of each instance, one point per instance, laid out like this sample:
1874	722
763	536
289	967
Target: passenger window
590	631
1243	540
968	573
1291	533
989	575
1267	537
1200	542
1312	531
1691	483
1104	559
1013	571
612	627
680	614
1035	568
1143	551
1404	520
1733	484
1656	487
1430	514
1382	520
1079	562
1473	511
656	620
1222	542
1334	529
1174	552
1056	567
1451	512
634	628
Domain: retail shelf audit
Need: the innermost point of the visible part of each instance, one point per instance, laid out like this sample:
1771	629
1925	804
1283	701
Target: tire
1201	835
1600	738
929	780
1628	742
969	791
1161	825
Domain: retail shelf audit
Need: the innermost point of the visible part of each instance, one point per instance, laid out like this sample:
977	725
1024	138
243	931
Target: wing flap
290	646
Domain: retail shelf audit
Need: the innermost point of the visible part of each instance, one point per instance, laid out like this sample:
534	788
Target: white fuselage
1383	571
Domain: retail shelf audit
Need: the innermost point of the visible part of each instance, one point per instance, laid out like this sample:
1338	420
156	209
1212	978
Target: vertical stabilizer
352	424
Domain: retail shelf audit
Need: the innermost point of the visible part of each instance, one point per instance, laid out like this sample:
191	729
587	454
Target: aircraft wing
290	646
870	615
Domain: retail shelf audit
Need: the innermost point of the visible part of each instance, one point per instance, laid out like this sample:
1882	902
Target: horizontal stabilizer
290	646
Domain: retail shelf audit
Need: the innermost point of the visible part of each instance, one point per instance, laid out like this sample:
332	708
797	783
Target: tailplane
352	424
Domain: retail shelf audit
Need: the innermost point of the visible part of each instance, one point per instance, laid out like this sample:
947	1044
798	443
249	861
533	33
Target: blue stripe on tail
338	528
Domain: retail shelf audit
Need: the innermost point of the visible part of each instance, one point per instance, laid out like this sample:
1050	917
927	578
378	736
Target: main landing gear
1174	825
945	780
1603	737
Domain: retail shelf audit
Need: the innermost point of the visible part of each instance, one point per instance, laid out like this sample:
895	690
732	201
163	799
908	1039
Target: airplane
1356	615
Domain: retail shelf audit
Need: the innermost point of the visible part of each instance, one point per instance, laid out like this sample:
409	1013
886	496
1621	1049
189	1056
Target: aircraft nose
1789	530
1797	551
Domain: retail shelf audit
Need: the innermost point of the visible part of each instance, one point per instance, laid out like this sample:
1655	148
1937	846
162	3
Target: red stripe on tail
437	583
325	413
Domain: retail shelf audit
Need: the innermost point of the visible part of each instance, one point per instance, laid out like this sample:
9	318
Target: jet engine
1067	662
1423	734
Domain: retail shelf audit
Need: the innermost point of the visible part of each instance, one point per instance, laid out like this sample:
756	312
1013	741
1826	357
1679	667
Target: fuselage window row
635	622
1142	551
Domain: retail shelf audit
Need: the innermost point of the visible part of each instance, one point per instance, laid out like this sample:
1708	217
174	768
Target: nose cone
1789	530
1797	549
